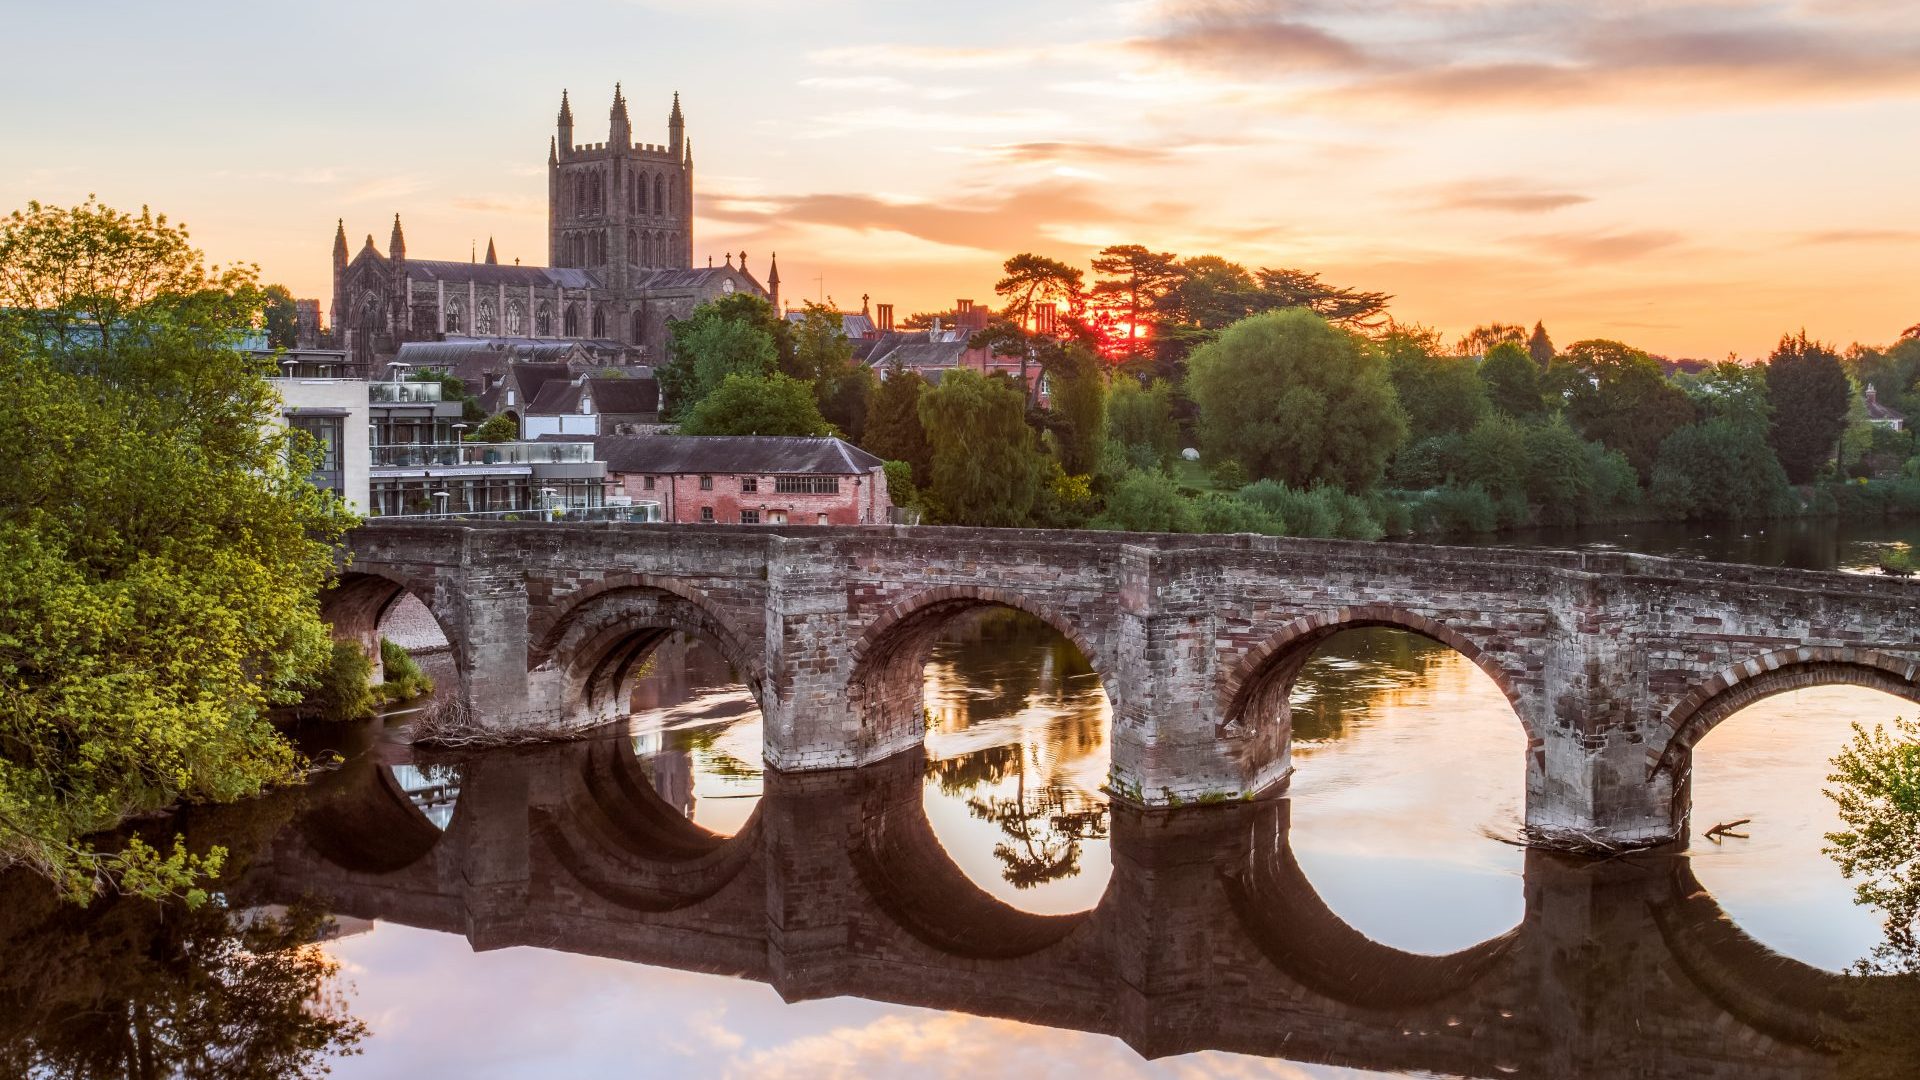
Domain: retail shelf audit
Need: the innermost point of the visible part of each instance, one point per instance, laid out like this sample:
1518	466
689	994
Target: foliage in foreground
161	550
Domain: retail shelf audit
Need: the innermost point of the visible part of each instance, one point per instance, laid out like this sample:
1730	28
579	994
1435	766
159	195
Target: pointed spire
397	246
566	110
340	242
619	128
773	271
553	150
675	117
370	246
492	259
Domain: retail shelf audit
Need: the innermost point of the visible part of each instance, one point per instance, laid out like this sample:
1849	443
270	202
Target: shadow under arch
908	874
365	822
616	836
600	640
1771	993
1294	928
886	683
1734	688
356	601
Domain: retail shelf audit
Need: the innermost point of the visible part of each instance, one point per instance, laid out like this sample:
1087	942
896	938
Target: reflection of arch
1775	994
910	876
1740	685
1285	916
886	686
618	838
368	824
1258	686
611	627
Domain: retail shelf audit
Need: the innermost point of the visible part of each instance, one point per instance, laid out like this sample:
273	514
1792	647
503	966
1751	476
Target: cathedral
619	254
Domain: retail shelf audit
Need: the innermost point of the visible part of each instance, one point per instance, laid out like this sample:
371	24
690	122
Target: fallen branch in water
1726	828
451	725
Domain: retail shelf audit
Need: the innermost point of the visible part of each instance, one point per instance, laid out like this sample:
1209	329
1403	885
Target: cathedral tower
620	208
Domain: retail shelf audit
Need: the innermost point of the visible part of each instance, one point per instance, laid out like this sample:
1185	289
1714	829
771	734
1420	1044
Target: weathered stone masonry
1615	664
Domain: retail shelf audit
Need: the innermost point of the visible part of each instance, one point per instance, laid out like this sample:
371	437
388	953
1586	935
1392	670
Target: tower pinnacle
492	259
397	245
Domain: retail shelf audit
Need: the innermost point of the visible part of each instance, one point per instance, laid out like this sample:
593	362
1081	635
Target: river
651	903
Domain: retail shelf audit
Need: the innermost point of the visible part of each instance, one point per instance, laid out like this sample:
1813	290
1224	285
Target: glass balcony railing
404	393
420	455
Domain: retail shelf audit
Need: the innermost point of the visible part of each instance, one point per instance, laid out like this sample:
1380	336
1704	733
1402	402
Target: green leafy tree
1143	416
1133	281
1512	382
1718	469
848	400
1876	788
496	429
281	318
1856	436
1032	279
1559	474
1148	502
1731	391
1079	393
737	334
1481	339
1352	308
773	404
1212	295
1540	347
893	430
161	551
1809	392
986	469
1441	394
1494	456
1295	399
1619	398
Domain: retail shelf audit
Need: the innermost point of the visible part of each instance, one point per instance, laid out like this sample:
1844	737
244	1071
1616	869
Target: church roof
696	277
852	323
751	454
539	277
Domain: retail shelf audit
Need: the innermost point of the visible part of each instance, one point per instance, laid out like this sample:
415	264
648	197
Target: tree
161	551
1512	382
281	318
1351	308
1876	789
1619	398
822	356
1716	470
734	334
1856	434
1481	339
1080	402
847	401
1143	416
1148	502
1441	394
773	404
1134	279
1540	347
1559	476
1034	279
985	468
1494	455
1295	399
1212	294
1809	392
1731	391
893	430
497	429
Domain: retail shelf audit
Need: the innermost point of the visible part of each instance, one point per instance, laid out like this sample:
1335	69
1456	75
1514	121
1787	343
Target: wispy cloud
1601	247
1861	236
1506	196
996	222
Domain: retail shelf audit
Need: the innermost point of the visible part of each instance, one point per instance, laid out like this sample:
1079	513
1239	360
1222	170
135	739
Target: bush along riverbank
344	690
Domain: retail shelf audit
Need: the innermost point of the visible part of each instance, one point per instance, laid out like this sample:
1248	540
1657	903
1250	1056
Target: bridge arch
884	687
368	822
357	601
1735	687
1260	683
597	642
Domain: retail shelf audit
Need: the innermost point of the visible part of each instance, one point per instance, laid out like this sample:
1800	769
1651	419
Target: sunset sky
1692	178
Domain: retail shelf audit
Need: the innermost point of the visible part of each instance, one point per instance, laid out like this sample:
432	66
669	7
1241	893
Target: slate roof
555	397
691	278
749	454
1877	411
853	324
637	393
540	277
532	379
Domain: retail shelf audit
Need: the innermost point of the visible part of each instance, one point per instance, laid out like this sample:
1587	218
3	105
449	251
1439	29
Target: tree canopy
986	469
737	334
773	404
1809	392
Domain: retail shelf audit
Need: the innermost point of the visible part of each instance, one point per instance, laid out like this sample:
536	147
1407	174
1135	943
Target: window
641	187
822	521
749	485
572	321
639	327
749	517
326	434
543	320
580	196
455	315
706	515
807	485
706	483
647	484
777	517
516	318
633	247
599	322
483	318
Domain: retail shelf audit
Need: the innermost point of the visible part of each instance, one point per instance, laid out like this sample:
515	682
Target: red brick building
746	479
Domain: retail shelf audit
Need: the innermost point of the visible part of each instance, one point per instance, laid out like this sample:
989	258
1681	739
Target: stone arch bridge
1615	664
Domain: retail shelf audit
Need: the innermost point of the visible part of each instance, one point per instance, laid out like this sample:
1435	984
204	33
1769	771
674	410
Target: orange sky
1695	178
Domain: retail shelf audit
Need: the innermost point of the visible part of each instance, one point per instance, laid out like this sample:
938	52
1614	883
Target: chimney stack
884	316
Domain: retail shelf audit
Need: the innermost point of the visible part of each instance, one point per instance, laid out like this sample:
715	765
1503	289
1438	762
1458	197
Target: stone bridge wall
1615	664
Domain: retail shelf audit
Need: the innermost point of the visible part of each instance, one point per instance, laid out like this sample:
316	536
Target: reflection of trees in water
1876	786
1001	660
1043	824
135	988
1350	672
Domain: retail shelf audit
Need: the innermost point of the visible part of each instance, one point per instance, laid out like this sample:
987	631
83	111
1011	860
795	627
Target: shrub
1455	510
1218	513
1147	502
404	678
340	691
1230	475
1430	462
1322	510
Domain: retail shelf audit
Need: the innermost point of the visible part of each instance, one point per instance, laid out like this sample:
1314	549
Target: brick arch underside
604	637
886	685
365	823
1293	927
619	839
357	600
1258	688
906	871
1711	703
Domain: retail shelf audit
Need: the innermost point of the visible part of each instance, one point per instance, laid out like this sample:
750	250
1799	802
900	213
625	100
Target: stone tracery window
515	318
659	198
571	321
456	316
599	322
641	189
483	318
580	195
639	327
633	248
543	320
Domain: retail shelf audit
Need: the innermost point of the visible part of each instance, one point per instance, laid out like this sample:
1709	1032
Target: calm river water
649	903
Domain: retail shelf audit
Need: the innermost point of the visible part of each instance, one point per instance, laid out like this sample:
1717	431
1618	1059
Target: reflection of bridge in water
1209	936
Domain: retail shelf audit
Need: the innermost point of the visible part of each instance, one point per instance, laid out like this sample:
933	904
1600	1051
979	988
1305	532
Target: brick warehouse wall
1615	665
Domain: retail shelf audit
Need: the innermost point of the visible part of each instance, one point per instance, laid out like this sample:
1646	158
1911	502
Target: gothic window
639	327
580	195
543	320
633	194
579	250
572	321
659	197
673	189
599	322
515	318
641	189
483	318
456	313
599	191
633	251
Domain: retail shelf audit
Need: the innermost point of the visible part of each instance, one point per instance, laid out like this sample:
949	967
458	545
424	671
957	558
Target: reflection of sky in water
1770	762
433	791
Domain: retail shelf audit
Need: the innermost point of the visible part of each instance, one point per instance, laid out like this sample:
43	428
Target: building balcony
444	455
404	393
